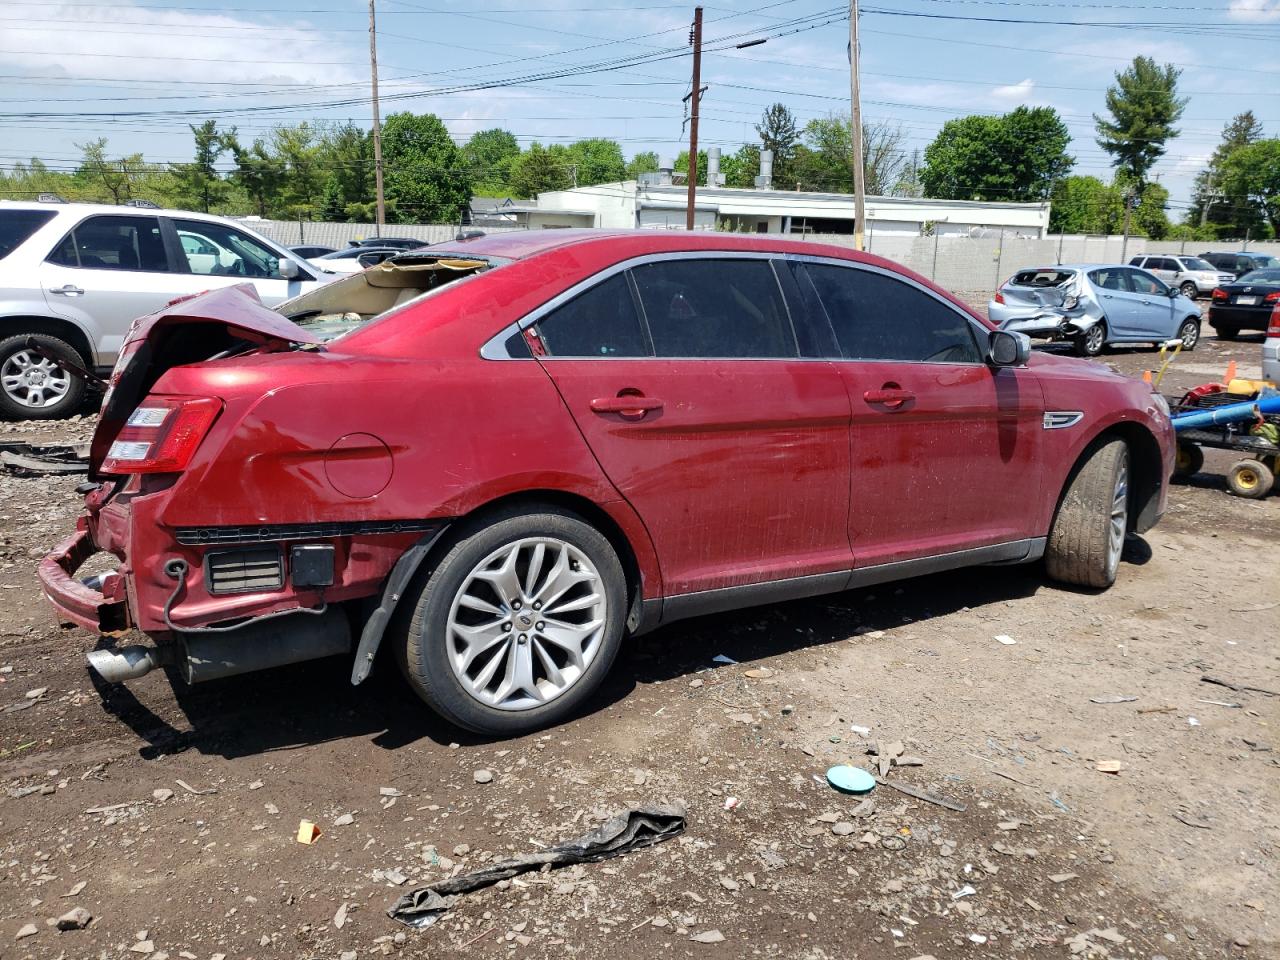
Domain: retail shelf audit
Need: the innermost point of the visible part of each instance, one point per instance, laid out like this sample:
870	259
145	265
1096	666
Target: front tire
1251	479
1091	342
33	388
1189	333
1189	290
1088	533
518	624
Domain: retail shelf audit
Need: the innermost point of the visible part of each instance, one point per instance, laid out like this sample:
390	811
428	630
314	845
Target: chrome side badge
1057	419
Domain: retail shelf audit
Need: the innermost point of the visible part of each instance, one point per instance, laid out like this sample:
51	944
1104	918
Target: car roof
121	210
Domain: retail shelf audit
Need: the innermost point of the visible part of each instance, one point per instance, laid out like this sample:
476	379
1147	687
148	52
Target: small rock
462	849
1062	877
161	794
345	820
842	829
347	955
340	918
143	946
696	682
484	776
77	918
389	792
563	889
729	883
256	785
708	936
75	891
742	718
37	693
30	930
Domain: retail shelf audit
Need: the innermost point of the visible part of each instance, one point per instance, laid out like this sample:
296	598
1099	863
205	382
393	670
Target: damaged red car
494	459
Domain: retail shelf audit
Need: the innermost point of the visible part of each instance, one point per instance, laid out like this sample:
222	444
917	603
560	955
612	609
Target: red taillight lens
1272	297
1273	328
1219	295
999	298
161	435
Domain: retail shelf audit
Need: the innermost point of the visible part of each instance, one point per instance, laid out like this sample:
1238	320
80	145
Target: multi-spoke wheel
1088	533
32	385
518	623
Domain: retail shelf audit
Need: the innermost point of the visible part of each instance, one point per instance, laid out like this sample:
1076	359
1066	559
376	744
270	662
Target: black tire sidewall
10	409
1195	291
426	661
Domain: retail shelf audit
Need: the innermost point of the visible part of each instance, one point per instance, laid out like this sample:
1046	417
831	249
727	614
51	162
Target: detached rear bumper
75	601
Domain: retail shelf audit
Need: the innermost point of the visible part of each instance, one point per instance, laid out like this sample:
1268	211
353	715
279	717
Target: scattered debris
622	833
1109	766
1190	822
190	789
28	930
484	776
308	832
1007	640
345	820
759	673
708	936
721	658
849	779
926	796
1113	698
161	794
77	918
30	460
1238	688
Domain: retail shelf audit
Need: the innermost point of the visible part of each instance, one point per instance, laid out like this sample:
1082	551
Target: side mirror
1008	349
1173	292
289	269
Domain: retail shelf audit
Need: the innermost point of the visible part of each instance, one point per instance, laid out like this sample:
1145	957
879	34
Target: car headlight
1071	302
1161	403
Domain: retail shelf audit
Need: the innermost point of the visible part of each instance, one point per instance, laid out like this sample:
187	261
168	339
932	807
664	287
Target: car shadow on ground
314	702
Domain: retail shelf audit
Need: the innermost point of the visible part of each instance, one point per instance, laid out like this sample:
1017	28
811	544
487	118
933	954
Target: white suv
74	276
1192	276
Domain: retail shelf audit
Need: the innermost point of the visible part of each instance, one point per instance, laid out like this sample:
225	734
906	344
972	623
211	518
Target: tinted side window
714	308
214	249
17	225
877	317
1144	283
114	243
599	322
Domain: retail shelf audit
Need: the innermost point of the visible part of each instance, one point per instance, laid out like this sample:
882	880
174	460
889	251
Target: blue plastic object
1230	413
848	779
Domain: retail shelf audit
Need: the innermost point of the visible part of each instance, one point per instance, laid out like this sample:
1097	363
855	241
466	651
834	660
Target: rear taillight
1273	328
1219	295
999	298
1272	297
161	435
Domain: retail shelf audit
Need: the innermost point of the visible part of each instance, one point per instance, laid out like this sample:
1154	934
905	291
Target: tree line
325	171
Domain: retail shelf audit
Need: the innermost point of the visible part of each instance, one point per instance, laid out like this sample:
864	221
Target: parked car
1192	276
307	251
499	457
1245	304
399	243
1239	264
74	276
353	259
1093	305
1271	348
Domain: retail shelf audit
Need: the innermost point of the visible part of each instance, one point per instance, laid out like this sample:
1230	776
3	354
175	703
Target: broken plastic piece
849	779
623	832
308	832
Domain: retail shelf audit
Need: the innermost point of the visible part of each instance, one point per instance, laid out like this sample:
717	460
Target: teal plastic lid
848	779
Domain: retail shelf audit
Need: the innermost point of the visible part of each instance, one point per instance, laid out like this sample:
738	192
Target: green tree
259	174
1251	176
825	160
296	149
540	169
779	133
1143	105
345	153
1209	205
1083	204
1019	156
1150	219
596	160
741	167
332	207
422	171
681	168
113	178
488	157
645	162
199	184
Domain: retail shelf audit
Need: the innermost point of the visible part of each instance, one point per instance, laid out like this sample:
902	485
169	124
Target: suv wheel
33	387
1189	290
1091	342
1227	333
1088	533
518	624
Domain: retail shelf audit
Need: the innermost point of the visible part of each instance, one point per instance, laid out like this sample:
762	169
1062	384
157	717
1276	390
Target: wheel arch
66	330
1146	464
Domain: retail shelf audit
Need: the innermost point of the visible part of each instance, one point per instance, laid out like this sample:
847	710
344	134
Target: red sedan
500	456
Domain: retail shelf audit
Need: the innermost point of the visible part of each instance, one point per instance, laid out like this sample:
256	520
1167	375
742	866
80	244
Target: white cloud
128	42
1017	92
1254	11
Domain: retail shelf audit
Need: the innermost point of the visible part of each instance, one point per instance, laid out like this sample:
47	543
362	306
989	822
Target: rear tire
1188	461
1226	333
32	388
1251	479
1088	532
1092	341
497	643
1189	290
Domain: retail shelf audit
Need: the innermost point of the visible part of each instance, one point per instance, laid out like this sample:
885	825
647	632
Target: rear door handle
630	406
889	396
67	290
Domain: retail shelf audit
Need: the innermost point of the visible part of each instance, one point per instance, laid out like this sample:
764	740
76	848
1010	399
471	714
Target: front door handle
890	395
67	290
630	406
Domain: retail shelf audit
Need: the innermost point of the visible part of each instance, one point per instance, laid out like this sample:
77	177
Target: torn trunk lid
188	330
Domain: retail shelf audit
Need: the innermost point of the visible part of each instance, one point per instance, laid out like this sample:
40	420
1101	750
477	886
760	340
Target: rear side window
1040	278
17	225
1144	283
877	317
600	322
113	243
715	308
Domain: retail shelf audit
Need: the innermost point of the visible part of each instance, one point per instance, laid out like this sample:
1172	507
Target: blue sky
148	67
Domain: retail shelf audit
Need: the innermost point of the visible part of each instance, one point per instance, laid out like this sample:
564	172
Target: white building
656	201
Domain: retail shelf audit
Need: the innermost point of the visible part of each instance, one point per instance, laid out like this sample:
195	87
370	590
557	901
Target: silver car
1191	275
1093	305
74	276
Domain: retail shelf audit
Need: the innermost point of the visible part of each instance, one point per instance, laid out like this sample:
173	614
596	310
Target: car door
1119	304
944	449
684	377
1153	315
239	258
1164	268
107	271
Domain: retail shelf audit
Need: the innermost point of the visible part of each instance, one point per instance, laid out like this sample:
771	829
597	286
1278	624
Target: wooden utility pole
695	97
377	122
855	131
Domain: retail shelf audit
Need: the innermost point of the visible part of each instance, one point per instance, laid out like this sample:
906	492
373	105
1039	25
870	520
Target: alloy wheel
1189	290
33	381
1119	515
1093	340
526	623
1189	335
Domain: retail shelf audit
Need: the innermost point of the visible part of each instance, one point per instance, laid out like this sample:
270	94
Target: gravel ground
169	815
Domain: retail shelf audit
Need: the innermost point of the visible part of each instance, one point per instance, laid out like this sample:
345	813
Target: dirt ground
170	814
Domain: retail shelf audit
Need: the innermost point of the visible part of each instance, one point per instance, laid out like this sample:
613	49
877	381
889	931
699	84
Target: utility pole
855	131
1130	201
377	123
695	96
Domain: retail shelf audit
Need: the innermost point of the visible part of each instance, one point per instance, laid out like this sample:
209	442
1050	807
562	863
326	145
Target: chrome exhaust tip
126	663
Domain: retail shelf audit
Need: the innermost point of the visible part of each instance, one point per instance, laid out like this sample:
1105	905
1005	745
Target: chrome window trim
494	348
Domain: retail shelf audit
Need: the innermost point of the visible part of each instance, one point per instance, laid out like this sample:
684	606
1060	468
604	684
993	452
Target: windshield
17	225
1195	263
1270	275
1265	261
